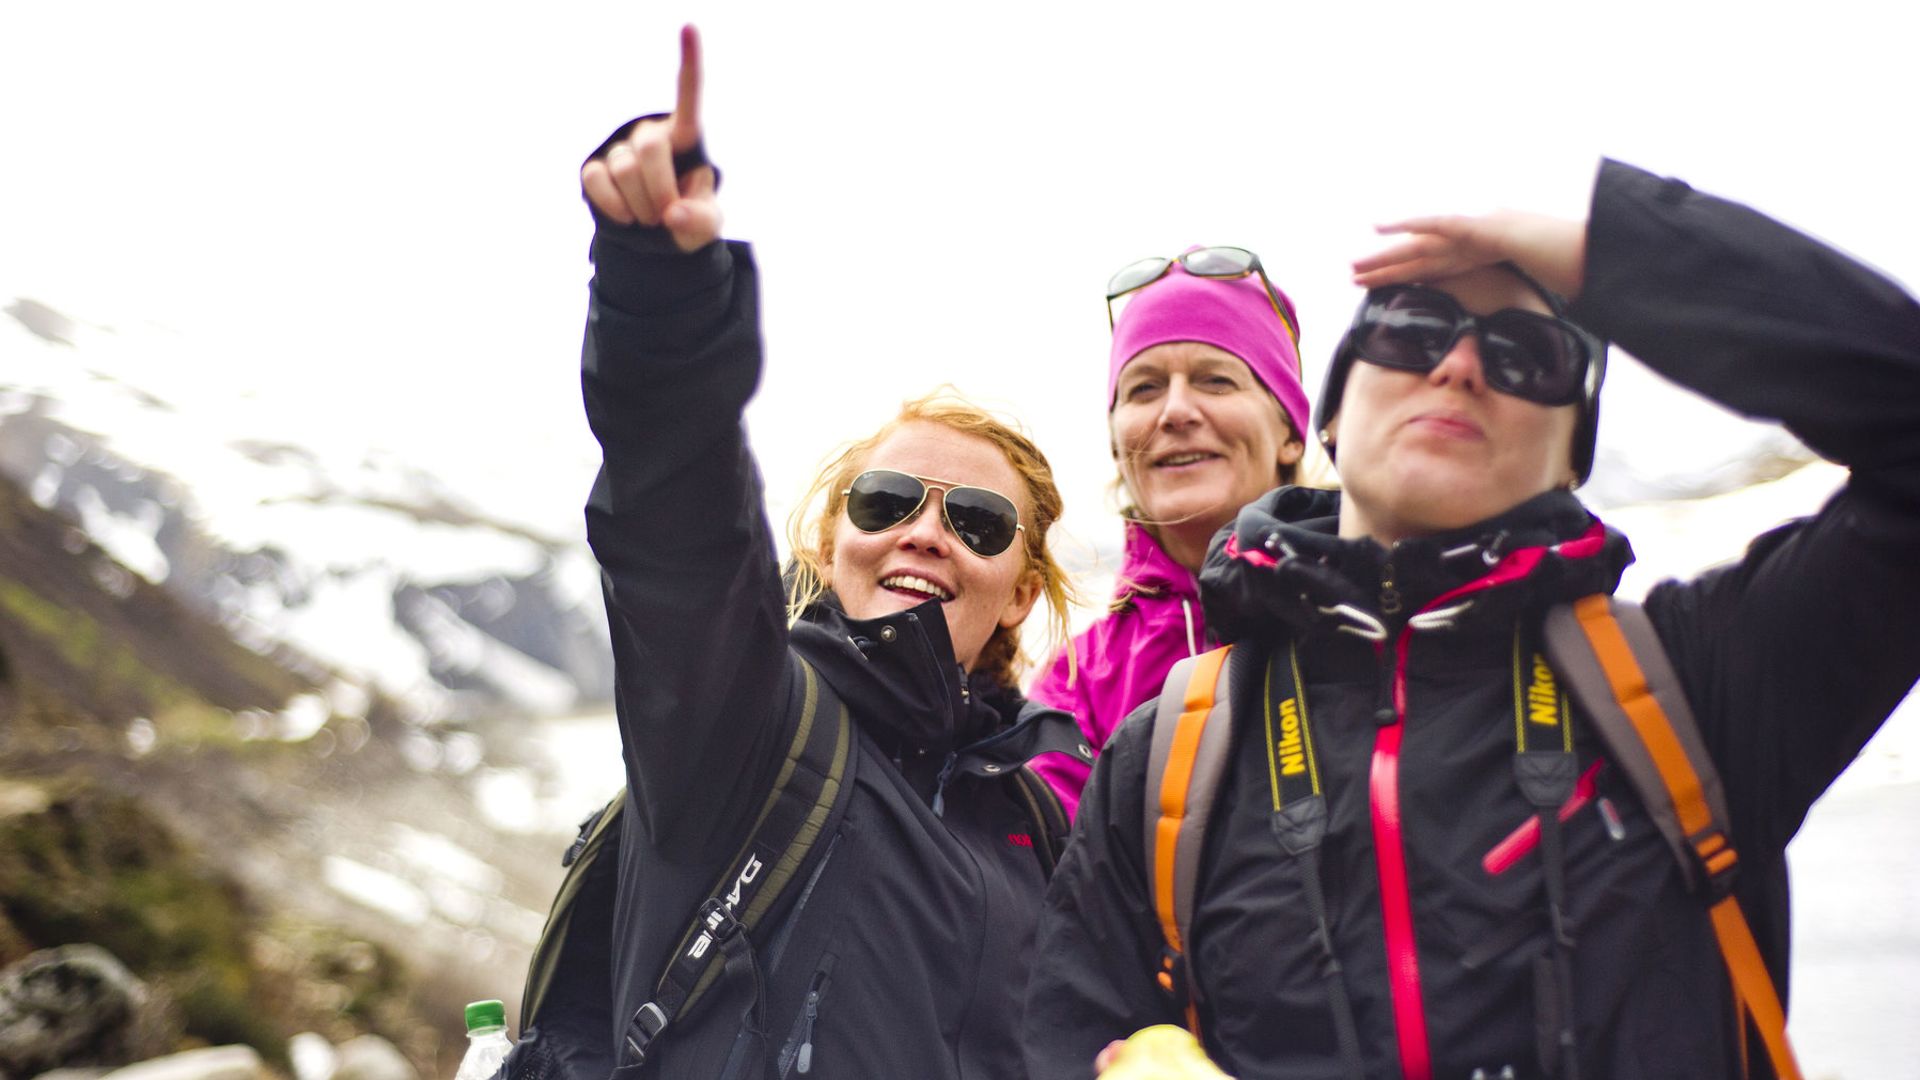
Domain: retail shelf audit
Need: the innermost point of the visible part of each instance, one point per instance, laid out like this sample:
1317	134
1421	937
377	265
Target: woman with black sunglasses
1395	882
901	947
1205	413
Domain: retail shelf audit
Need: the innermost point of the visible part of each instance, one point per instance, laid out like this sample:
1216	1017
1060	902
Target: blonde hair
810	535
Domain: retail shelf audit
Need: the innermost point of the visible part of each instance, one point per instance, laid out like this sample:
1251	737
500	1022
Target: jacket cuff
640	270
1625	199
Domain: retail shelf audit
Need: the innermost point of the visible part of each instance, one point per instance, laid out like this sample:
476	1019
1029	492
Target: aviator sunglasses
984	520
1206	262
1539	358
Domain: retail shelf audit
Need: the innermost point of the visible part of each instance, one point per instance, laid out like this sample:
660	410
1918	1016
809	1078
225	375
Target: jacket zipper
797	1054
1396	900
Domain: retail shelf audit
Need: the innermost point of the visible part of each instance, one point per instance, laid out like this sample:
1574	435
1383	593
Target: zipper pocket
797	1054
1502	856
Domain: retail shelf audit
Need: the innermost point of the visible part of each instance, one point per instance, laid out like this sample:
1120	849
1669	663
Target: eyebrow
1205	363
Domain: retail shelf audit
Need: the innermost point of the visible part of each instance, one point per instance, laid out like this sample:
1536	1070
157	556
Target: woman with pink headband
1205	411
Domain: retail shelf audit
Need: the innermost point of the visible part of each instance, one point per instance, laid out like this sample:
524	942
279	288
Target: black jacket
1792	657
917	932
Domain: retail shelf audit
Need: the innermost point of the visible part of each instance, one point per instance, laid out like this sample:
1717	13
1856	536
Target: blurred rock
312	1056
74	1005
210	1063
371	1057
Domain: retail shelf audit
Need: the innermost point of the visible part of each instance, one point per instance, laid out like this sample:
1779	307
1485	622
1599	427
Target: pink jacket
1124	658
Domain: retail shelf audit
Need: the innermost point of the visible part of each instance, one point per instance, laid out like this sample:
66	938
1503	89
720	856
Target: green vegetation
92	866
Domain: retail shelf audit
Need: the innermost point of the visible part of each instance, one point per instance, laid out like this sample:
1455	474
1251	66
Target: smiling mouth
1190	457
917	587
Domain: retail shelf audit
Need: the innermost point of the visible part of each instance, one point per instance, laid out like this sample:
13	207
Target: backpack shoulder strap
1610	656
805	803
1048	814
1186	761
1612	660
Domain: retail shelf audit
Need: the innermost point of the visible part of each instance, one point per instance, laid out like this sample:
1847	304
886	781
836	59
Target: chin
1189	506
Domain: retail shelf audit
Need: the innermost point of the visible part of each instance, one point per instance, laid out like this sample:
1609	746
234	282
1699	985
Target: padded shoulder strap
805	800
1612	660
1608	653
1187	759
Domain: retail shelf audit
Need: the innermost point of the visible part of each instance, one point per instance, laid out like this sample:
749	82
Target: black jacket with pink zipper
1791	657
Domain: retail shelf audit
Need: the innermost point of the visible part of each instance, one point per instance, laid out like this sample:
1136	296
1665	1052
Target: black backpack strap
1611	657
1049	816
1547	772
803	805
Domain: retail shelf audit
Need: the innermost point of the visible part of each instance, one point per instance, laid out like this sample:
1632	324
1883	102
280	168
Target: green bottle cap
486	1014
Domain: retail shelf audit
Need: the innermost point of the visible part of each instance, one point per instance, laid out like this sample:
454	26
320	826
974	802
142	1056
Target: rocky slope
235	825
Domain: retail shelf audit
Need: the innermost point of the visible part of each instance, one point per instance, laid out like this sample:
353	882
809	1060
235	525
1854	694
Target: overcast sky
365	216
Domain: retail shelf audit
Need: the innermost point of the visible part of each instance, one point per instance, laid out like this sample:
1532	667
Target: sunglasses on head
984	520
1207	262
1540	358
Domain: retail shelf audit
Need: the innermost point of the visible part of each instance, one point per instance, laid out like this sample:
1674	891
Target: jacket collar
1284	566
900	681
1147	570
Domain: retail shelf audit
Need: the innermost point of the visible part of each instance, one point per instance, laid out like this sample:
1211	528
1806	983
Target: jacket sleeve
1097	948
694	601
1795	654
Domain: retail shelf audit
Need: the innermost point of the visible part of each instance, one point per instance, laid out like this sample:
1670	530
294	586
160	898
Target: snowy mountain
298	536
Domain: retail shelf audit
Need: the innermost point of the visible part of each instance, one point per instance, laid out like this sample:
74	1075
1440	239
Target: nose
927	529
1181	407
1461	366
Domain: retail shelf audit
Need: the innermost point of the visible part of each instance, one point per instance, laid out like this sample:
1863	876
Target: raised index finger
686	107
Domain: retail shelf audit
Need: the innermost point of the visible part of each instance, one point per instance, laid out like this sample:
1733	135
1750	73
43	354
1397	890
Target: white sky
366	215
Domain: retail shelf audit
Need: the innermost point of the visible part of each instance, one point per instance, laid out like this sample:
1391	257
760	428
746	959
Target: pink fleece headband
1228	313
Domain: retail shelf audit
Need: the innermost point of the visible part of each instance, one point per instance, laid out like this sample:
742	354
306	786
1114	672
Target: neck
1184	545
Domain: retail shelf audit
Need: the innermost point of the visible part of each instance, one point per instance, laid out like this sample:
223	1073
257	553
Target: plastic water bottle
487	1042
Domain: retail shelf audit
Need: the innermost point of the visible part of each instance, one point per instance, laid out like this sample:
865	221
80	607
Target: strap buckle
717	920
1173	978
647	1023
1717	860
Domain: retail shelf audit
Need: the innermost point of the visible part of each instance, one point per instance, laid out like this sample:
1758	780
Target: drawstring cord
1370	628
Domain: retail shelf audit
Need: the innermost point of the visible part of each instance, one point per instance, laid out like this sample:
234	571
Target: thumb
694	219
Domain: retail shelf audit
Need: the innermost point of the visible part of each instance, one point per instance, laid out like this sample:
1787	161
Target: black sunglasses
1208	262
1540	358
984	520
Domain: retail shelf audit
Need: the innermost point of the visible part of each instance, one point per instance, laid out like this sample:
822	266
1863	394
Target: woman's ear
1025	592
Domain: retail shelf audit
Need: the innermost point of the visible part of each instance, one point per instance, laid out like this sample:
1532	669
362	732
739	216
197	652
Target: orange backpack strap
1187	759
1612	660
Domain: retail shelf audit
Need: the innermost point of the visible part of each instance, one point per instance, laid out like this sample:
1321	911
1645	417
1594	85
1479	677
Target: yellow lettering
1293	759
1543	696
